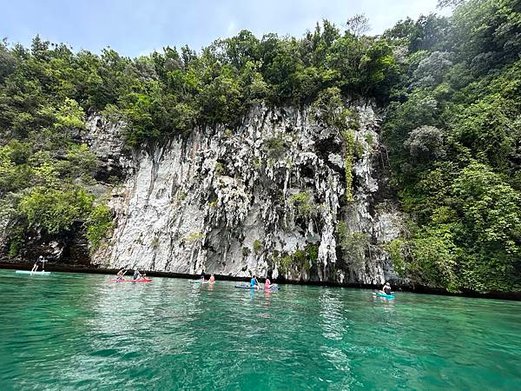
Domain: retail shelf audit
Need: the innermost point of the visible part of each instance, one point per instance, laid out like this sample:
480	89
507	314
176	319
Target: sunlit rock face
265	199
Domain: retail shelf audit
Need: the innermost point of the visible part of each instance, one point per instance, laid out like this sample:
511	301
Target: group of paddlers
137	275
211	280
254	283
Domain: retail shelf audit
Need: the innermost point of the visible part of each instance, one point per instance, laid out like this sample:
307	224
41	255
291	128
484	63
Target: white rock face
380	220
267	197
104	138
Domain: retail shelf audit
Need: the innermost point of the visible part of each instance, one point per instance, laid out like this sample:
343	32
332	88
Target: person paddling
137	275
254	283
212	279
387	289
120	274
39	262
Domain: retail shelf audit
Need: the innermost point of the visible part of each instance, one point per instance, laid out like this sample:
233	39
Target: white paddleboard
33	273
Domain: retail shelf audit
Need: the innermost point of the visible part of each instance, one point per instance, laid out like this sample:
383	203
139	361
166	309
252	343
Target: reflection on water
84	332
334	324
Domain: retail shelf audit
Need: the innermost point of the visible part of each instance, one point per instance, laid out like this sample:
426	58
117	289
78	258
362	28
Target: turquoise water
77	331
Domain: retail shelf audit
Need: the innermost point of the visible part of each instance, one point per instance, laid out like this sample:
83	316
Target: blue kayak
273	288
386	296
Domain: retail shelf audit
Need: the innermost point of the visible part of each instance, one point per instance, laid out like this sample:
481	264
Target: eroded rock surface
264	199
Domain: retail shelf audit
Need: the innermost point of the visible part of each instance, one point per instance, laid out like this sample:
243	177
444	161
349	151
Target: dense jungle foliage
453	131
450	87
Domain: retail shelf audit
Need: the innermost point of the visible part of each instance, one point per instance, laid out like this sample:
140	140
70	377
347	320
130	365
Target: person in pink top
267	284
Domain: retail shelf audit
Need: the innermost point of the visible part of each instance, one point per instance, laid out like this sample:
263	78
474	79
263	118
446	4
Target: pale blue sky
138	27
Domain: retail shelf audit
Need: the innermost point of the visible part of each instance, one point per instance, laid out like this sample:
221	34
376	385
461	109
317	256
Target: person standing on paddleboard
39	262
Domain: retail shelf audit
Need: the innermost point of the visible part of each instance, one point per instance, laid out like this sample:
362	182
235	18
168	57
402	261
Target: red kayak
127	280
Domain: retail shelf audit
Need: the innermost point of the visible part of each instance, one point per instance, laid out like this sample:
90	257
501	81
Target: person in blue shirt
254	283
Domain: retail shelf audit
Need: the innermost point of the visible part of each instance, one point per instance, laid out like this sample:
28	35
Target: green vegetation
219	168
303	204
54	210
349	142
155	242
257	246
312	252
170	92
275	146
181	195
453	129
99	224
369	139
330	109
300	259
450	88
193	237
354	245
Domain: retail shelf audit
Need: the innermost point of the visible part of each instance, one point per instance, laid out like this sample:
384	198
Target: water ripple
82	332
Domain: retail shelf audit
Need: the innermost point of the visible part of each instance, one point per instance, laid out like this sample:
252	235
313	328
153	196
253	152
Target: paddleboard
33	273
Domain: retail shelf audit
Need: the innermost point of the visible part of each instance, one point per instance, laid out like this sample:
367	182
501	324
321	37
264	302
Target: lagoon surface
81	331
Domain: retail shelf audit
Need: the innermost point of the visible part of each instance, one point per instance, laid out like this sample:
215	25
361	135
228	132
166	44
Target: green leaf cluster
300	259
453	133
304	204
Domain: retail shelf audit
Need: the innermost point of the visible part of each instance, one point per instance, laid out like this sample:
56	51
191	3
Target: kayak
244	287
386	296
127	280
33	273
273	288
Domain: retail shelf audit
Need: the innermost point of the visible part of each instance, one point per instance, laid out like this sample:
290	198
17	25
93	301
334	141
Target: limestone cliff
267	198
